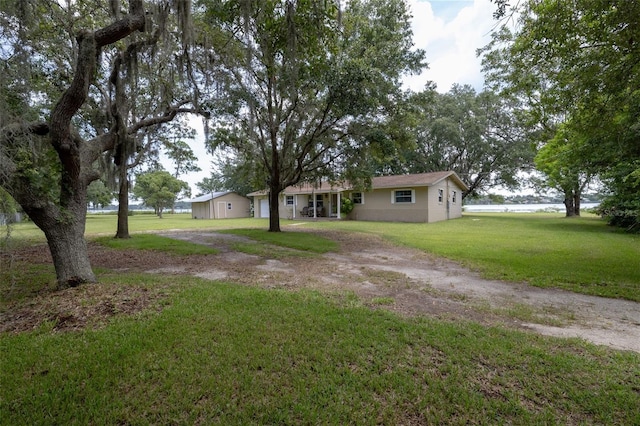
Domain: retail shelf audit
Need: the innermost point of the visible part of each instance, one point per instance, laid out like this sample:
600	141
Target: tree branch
165	118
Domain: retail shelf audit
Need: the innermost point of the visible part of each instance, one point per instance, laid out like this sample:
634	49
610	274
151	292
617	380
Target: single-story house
220	205
423	197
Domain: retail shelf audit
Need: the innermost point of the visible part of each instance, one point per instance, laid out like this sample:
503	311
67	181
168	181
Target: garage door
264	208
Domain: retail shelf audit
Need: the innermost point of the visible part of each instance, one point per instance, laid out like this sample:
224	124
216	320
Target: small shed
220	205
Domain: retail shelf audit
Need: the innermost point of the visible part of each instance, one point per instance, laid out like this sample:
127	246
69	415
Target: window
403	196
453	197
319	202
440	195
357	198
228	206
289	200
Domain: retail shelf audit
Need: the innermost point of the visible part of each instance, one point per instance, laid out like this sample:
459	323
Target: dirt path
382	275
414	283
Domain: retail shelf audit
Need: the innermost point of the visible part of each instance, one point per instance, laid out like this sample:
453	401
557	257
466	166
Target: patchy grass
157	243
582	255
303	241
383	301
227	354
257	248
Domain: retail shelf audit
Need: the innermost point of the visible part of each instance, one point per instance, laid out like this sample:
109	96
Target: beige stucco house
220	205
424	197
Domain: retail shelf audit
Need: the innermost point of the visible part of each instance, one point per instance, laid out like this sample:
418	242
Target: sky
449	31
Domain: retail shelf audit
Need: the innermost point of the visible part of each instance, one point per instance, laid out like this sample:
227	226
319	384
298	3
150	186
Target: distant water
115	211
521	208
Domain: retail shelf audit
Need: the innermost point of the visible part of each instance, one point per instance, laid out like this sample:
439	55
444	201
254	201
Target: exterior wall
217	208
240	207
201	210
456	207
438	210
378	206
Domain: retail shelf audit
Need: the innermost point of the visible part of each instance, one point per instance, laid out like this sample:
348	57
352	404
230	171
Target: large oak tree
475	134
55	58
309	81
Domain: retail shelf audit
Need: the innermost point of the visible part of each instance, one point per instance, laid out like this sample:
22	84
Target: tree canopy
476	134
159	189
63	109
307	81
575	64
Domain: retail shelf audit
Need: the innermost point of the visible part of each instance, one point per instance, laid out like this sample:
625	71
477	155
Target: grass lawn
582	255
219	353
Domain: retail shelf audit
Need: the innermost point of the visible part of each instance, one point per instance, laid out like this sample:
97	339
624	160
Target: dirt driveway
382	275
411	282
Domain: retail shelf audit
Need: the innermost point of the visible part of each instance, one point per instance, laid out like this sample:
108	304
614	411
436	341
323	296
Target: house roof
306	188
420	179
395	181
208	197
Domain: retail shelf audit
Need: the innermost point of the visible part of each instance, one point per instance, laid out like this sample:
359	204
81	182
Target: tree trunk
274	210
123	210
570	210
576	203
65	237
70	254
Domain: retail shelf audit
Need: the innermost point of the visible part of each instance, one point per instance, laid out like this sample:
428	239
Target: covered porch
315	205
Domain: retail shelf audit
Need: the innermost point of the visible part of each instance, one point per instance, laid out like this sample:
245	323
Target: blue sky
448	9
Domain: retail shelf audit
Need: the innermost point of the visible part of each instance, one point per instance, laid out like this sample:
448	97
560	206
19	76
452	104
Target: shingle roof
420	179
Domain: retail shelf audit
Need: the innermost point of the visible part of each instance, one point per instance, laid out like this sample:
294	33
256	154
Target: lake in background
520	208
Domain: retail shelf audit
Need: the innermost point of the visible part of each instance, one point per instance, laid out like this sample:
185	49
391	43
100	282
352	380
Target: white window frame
353	197
440	195
288	199
229	206
454	196
393	196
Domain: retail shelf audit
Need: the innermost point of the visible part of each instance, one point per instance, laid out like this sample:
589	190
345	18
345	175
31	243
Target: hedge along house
220	205
424	197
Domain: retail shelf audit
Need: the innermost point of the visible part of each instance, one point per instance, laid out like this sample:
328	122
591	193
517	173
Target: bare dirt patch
382	275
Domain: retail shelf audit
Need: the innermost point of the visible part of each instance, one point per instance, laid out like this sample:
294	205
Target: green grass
156	243
582	255
105	225
234	355
294	240
219	353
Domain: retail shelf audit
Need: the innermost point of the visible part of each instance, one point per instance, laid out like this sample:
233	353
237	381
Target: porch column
339	205
313	194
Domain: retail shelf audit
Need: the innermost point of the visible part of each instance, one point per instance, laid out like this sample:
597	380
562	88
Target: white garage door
264	208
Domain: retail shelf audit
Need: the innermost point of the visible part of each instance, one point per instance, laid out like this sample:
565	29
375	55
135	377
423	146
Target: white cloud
450	38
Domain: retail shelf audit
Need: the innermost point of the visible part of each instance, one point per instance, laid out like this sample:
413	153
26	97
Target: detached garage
220	205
